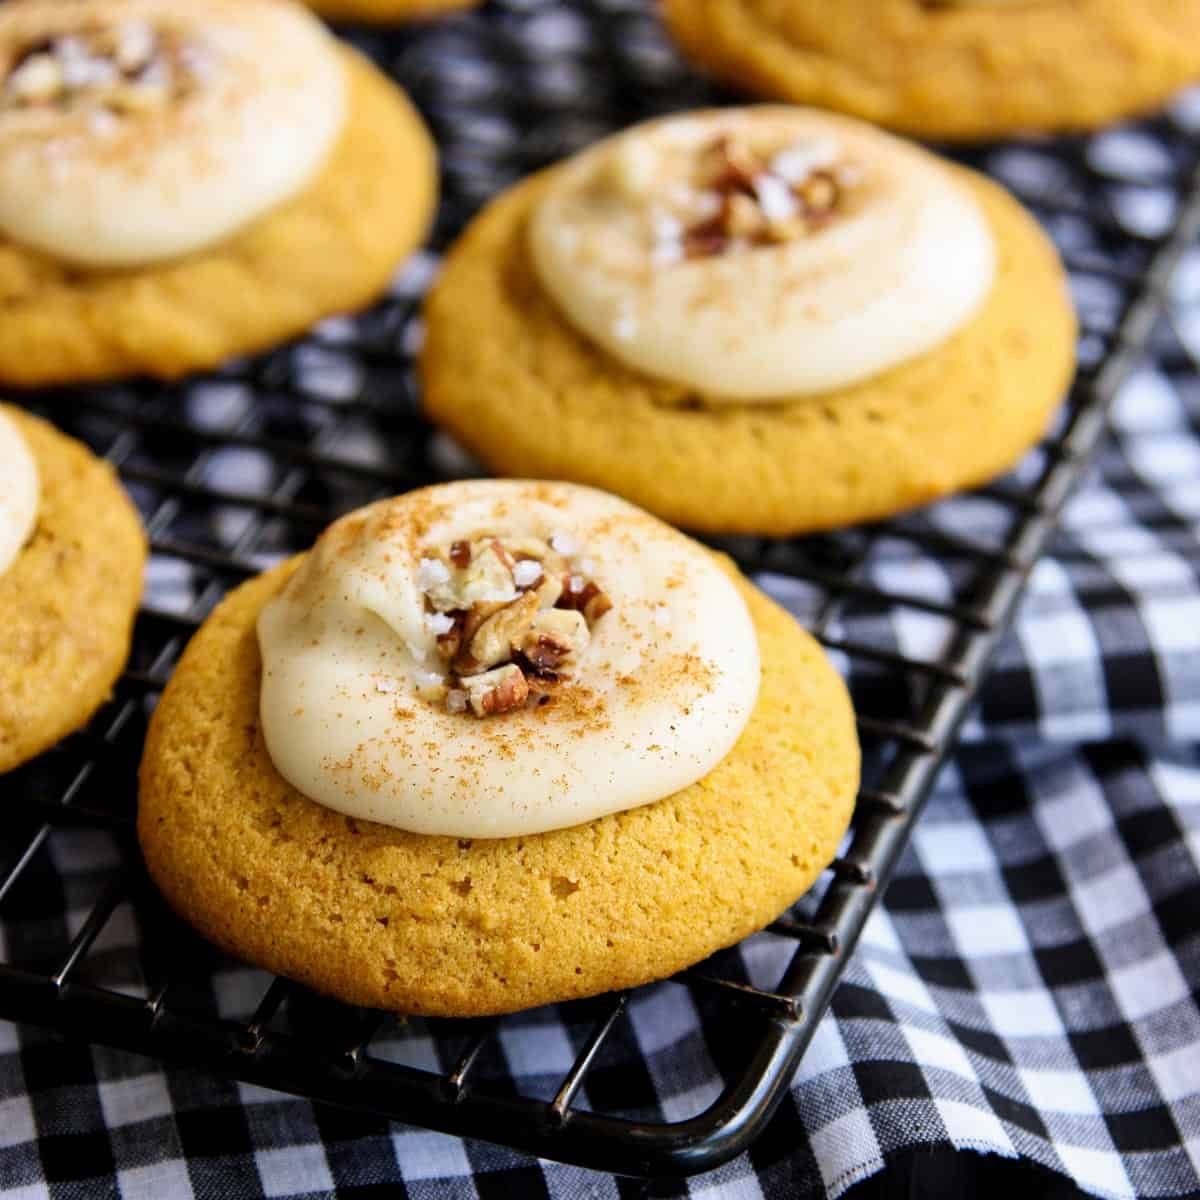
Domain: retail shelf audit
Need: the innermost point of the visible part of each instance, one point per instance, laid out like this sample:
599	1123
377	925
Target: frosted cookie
491	745
951	68
767	320
185	181
383	12
71	557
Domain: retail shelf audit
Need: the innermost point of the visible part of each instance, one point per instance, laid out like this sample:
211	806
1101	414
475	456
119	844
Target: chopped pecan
787	231
38	79
758	205
486	578
555	638
499	549
706	237
563	623
473	618
496	691
449	643
596	605
819	193
527	547
510	616
119	70
549	590
545	652
586	597
742	217
738	217
704	245
730	166
496	636
136	98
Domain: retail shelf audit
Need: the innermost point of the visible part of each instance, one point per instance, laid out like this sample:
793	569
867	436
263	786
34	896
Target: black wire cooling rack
235	470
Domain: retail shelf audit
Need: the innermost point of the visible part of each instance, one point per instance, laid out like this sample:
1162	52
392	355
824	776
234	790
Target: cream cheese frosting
761	253
19	492
371	698
133	131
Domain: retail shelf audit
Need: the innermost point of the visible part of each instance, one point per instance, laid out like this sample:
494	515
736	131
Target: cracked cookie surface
458	927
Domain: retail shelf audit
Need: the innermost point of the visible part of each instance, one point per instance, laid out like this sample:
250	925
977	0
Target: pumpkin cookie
951	68
384	11
71	557
495	744
765	320
184	182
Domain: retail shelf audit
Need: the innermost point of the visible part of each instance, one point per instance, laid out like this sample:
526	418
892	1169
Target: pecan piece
555	639
820	194
527	547
732	167
596	605
495	637
706	238
546	652
742	217
549	590
585	596
486	578
473	618
136	98
786	231
450	642
497	691
498	548
37	80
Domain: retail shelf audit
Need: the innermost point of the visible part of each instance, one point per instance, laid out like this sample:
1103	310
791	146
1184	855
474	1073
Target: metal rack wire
238	469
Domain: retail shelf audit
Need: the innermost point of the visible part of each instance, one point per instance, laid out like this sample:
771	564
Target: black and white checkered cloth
1030	987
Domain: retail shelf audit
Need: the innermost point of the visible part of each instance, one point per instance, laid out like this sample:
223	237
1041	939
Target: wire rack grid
236	470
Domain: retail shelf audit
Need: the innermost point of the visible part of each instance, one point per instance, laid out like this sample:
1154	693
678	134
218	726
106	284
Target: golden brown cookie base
514	382
455	927
331	249
935	71
383	12
68	600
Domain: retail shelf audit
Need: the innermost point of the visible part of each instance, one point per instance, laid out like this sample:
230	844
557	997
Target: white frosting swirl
822	299
138	130
18	492
663	689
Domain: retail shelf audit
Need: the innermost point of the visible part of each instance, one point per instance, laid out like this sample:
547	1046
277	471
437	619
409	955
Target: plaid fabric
1030	985
1029	988
1106	641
